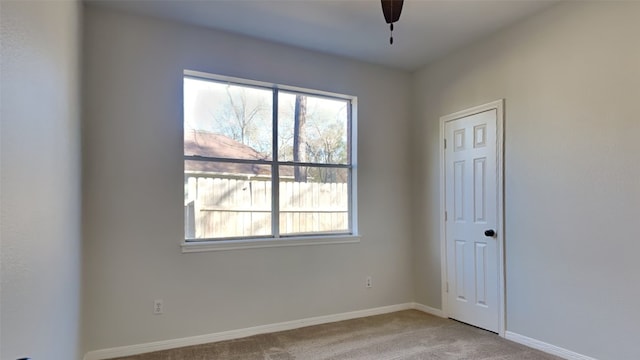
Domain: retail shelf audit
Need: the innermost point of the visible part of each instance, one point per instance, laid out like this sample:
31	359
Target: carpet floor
403	335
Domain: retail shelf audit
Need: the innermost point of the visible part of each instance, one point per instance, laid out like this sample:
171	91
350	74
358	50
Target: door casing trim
497	105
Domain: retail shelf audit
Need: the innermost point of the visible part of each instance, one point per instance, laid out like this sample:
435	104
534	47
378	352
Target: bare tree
243	116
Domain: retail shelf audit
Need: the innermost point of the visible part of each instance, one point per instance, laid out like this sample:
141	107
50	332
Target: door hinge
447	287
445	143
446	216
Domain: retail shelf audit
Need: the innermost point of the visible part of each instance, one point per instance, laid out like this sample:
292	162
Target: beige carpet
404	335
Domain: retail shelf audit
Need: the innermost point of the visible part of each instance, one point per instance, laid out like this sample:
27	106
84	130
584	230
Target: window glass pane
229	191
227	120
220	205
318	202
312	129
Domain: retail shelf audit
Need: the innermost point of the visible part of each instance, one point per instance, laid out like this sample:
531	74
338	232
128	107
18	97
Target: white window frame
276	239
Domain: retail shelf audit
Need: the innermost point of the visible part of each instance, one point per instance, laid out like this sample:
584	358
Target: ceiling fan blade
391	10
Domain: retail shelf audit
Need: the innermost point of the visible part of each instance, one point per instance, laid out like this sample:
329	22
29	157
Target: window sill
222	245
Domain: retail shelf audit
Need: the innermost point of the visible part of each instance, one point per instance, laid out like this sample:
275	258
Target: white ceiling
427	30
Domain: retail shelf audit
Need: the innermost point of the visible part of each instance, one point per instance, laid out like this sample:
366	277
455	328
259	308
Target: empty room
307	179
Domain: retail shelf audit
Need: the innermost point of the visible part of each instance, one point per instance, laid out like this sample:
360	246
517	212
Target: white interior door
473	260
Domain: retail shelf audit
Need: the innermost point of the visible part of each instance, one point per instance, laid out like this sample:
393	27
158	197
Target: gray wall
133	193
571	80
40	180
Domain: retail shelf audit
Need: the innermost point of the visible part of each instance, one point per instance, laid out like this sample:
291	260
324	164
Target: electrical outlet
369	282
158	307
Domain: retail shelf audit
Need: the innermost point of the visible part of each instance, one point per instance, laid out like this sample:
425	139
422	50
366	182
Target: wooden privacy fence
217	207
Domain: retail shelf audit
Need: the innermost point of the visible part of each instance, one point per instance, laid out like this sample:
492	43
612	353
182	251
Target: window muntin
235	189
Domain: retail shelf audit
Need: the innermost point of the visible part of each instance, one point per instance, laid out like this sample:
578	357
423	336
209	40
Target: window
265	162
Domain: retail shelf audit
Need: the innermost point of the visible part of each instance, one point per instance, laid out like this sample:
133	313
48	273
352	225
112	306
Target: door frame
497	105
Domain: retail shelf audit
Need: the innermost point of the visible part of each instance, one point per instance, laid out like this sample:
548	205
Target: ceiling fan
391	10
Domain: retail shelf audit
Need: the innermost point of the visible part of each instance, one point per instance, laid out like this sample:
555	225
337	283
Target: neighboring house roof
203	143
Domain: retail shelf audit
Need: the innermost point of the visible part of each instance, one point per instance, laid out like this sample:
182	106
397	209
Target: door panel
471	191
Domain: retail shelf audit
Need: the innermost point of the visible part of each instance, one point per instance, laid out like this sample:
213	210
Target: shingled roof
207	144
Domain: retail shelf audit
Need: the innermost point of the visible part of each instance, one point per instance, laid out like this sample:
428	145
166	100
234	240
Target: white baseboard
543	346
428	310
130	350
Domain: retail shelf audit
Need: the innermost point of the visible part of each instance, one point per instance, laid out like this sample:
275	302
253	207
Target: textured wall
40	180
133	190
571	80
